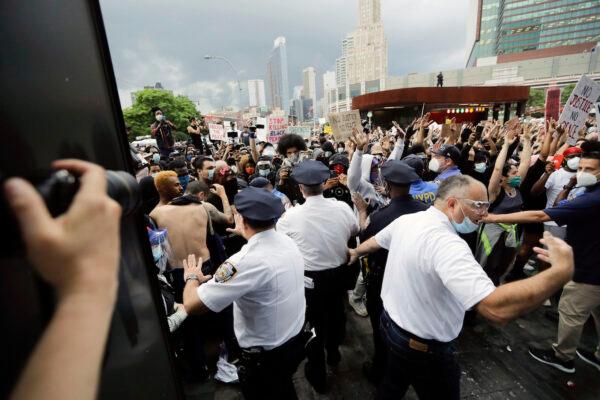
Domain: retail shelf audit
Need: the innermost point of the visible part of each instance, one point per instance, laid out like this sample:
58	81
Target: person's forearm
562	195
72	346
420	138
538	188
227	209
522	217
354	171
362	219
367	247
511	300
253	150
191	301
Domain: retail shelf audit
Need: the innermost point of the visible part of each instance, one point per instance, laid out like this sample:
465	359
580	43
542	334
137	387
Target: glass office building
517	26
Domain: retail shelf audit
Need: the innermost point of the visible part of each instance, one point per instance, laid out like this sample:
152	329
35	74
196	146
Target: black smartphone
478	131
232	134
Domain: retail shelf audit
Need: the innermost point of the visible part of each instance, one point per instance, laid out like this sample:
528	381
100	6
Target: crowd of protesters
489	192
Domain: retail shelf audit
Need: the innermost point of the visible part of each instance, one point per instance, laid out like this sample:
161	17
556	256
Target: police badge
225	272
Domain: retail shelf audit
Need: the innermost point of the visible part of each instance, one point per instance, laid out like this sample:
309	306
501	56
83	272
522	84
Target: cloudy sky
165	41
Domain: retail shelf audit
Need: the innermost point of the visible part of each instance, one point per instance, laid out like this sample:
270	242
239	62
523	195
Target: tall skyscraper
256	93
520	30
309	89
277	77
362	68
297	92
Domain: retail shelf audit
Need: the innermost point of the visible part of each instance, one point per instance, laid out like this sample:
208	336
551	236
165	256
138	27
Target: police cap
258	204
399	173
311	172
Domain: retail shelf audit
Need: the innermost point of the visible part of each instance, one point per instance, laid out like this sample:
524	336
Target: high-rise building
524	29
256	93
297	92
308	83
277	77
362	68
329	90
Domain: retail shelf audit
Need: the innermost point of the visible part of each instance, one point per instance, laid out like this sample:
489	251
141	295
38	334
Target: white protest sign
343	123
303	131
276	128
216	132
578	106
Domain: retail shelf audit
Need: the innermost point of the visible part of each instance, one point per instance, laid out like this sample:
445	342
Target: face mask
573	163
339	169
158	118
264	172
211	174
480	167
585	179
467	226
234	169
249	170
328	154
155	158
294	158
184	180
340	150
514	181
434	165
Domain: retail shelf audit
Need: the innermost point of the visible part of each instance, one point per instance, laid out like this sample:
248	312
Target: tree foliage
537	98
178	109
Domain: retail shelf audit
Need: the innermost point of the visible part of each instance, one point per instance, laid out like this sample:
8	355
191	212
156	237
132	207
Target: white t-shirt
431	277
265	282
321	228
554	185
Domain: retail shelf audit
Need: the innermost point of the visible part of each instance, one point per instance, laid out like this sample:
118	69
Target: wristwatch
192	278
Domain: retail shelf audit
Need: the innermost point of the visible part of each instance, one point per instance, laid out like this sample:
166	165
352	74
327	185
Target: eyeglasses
478	206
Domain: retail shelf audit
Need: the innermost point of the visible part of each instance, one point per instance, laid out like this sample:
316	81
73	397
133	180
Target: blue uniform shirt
424	191
447	174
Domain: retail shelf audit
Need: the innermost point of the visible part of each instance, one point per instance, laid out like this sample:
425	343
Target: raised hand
191	267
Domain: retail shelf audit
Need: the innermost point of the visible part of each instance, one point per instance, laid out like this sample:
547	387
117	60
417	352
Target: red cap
571	150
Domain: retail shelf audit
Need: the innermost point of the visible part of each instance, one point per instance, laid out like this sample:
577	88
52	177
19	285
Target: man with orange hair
168	187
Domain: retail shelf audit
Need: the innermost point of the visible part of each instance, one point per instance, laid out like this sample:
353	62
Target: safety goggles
480	207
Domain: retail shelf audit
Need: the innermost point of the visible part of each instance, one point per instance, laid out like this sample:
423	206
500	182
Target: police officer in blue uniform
398	177
264	281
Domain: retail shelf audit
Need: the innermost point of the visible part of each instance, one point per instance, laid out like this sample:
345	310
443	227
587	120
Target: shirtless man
186	225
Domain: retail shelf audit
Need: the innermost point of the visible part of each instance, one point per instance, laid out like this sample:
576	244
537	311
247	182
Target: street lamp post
235	71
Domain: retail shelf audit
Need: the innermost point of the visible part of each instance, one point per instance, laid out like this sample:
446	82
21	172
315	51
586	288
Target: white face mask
434	165
573	163
585	179
340	150
159	117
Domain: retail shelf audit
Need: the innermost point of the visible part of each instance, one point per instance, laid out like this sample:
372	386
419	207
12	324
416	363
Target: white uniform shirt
554	185
266	288
431	277
321	228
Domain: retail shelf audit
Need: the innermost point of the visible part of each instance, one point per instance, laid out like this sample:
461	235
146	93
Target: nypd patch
225	272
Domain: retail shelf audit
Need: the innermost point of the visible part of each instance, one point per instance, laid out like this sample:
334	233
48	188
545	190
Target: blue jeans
429	366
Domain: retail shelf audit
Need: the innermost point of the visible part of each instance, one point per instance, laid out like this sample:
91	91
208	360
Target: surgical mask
211	174
328	154
340	150
264	172
573	163
434	165
467	226
184	180
155	158
514	181
294	158
480	167
160	117
585	179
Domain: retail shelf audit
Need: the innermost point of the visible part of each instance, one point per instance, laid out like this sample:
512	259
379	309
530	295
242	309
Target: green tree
537	98
178	110
565	93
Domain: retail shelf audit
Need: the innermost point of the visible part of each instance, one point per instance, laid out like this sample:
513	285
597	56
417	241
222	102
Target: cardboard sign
327	129
216	132
303	131
578	106
552	103
343	123
276	127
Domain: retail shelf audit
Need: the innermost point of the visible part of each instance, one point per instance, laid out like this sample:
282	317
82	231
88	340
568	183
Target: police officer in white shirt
265	283
431	279
321	228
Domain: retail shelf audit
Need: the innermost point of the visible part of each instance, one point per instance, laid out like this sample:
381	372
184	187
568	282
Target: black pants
375	308
268	374
326	313
197	142
429	366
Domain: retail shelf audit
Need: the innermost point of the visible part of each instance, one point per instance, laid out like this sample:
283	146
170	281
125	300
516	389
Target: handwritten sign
216	132
343	123
303	131
552	103
276	128
578	106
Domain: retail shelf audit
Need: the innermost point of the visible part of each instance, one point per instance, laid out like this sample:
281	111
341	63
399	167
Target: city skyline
172	53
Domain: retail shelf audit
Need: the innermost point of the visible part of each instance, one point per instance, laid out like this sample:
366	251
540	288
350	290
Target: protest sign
578	106
327	129
216	132
212	119
552	103
276	128
303	131
343	123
